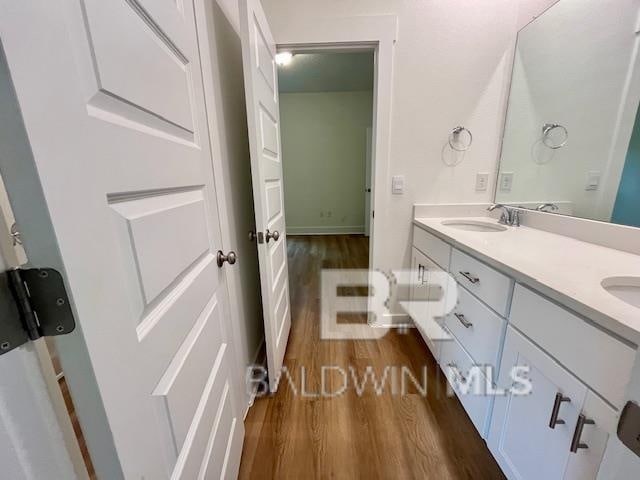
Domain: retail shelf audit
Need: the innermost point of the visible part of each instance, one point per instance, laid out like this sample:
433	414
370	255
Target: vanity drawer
489	285
476	406
478	329
600	360
432	246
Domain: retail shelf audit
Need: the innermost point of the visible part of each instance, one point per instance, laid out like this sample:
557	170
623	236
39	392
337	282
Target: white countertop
564	269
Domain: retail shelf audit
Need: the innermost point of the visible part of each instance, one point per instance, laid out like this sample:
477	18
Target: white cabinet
436	249
468	383
521	437
489	285
587	351
424	297
578	372
478	328
584	462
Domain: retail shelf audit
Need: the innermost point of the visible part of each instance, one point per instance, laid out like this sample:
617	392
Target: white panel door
111	95
263	118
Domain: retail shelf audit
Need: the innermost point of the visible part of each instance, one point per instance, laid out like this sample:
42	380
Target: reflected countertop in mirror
571	137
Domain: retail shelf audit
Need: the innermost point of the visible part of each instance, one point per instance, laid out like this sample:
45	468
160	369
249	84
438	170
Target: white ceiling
327	72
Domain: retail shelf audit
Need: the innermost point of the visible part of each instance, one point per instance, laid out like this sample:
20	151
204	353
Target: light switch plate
397	184
482	182
629	427
506	181
593	180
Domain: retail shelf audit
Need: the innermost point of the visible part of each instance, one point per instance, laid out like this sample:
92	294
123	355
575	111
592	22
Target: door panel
118	135
263	118
521	439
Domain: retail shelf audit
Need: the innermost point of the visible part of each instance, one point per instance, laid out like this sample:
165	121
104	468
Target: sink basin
474	225
626	289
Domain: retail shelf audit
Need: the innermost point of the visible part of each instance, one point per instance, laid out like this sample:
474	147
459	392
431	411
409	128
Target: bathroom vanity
531	298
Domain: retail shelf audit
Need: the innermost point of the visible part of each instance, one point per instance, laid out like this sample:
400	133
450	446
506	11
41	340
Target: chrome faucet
543	206
510	216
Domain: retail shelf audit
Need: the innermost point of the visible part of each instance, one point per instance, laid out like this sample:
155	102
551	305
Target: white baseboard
256	361
326	230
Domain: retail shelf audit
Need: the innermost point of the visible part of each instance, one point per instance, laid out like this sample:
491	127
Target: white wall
323	139
570	68
452	66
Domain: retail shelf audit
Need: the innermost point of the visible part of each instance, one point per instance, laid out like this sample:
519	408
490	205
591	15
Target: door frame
377	33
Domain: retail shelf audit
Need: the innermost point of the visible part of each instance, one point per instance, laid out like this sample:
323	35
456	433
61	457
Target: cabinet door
424	294
521	438
591	441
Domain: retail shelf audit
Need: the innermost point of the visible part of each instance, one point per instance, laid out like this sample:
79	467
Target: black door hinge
33	304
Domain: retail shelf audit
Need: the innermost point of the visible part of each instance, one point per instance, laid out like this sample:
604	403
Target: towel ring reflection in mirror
554	135
456	141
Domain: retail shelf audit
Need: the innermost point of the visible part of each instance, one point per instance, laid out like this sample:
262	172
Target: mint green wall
323	139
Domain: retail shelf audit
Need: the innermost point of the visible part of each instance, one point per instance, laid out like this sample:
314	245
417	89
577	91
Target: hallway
352	436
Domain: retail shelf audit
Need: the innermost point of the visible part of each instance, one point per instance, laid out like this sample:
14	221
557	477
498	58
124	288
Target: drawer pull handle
465	323
577	434
554	420
469	276
456	372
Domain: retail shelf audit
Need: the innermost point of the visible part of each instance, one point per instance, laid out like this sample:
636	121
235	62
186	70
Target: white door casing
263	119
111	95
28	415
368	183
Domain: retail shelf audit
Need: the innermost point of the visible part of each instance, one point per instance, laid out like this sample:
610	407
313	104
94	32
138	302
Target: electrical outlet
482	182
506	181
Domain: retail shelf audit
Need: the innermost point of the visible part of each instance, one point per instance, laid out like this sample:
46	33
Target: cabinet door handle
465	323
469	276
577	434
420	273
554	420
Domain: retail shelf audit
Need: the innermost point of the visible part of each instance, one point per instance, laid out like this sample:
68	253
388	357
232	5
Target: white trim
256	361
326	230
349	32
625	123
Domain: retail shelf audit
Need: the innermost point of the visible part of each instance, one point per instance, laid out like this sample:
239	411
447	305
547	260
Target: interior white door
263	119
111	96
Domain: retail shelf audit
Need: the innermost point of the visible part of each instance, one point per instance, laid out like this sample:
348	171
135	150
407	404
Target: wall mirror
572	135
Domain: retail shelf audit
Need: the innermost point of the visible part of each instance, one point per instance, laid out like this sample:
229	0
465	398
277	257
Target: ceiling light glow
284	58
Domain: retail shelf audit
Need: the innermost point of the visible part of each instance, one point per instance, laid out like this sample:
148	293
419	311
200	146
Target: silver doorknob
269	235
230	258
252	235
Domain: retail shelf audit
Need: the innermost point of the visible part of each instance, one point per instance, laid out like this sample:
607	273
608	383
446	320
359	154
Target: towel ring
547	130
454	137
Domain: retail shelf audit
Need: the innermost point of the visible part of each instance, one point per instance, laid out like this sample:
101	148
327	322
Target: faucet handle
515	217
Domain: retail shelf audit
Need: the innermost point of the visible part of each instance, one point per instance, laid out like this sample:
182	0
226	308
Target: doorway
326	115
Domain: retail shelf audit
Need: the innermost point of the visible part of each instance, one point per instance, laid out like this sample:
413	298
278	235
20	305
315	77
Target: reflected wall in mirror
572	133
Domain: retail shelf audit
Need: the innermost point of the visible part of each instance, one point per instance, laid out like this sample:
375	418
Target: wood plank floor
355	436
